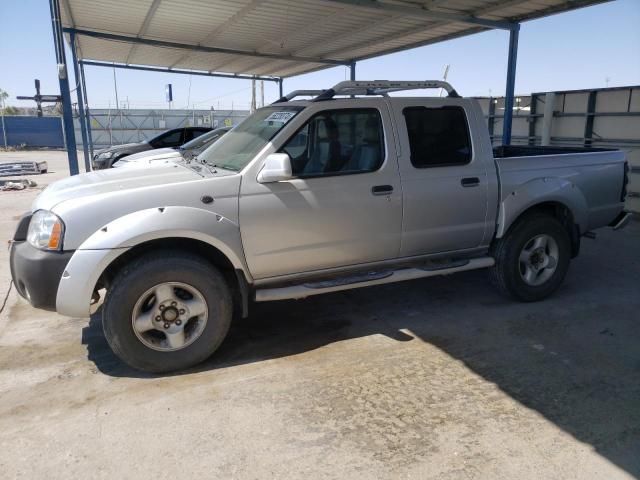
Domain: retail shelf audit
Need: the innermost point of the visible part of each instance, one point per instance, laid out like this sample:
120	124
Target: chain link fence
116	127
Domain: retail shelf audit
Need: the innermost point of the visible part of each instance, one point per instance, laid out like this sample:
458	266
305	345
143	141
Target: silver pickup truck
351	188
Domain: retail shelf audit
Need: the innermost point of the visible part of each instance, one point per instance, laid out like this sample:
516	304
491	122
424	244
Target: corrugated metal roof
280	38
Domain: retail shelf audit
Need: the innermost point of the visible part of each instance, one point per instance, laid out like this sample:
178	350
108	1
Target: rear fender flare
539	191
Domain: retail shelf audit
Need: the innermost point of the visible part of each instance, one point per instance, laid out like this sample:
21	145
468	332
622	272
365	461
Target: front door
343	206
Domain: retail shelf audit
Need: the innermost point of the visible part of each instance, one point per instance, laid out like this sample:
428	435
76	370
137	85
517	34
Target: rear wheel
532	259
166	311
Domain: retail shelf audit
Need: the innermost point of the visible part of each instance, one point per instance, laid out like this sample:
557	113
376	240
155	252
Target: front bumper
100	164
37	273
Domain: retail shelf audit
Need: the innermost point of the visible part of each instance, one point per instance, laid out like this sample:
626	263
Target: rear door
444	178
344	205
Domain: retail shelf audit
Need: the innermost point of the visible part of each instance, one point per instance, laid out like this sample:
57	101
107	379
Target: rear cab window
438	136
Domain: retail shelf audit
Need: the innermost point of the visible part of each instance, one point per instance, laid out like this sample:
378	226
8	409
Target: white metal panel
147	55
320	29
104	50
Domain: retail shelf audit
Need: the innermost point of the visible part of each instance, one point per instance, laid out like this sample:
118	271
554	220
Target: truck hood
149	157
127	147
112	180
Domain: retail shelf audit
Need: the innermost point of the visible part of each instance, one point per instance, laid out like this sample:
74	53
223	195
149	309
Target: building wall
31	132
616	123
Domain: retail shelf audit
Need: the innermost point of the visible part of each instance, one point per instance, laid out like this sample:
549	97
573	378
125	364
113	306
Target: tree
6	110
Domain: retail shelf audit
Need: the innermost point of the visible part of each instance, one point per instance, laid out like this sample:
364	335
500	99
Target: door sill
393	264
371	278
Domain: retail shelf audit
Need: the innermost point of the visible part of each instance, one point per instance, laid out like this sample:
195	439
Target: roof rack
299	93
382	87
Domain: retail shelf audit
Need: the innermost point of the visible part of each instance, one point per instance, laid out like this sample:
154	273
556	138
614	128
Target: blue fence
33	131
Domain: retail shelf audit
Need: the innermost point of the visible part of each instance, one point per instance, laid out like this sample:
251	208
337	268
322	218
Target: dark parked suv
106	157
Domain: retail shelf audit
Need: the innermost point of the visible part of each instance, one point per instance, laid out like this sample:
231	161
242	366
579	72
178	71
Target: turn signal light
56	236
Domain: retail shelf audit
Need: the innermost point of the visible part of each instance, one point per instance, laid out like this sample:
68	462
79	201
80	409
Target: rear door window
171	139
438	136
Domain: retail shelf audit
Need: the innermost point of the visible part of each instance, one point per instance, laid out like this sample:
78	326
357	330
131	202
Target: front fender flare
104	246
538	191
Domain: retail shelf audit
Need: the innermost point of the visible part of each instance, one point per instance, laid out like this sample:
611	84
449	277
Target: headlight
46	231
105	155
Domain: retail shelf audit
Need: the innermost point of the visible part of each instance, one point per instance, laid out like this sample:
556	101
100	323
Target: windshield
205	138
238	147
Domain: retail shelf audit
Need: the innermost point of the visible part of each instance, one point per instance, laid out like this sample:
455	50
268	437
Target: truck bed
590	178
509	151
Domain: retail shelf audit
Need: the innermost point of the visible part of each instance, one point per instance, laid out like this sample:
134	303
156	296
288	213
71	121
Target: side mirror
277	167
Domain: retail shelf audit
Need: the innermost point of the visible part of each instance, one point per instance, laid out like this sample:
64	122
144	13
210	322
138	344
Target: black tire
506	276
144	273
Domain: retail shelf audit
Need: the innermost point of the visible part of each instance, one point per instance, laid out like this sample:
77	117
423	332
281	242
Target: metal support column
352	71
491	120
547	119
63	78
533	112
511	84
280	87
80	96
87	112
588	124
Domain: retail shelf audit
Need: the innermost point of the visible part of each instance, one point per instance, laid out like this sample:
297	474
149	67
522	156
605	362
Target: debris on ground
21	168
6	185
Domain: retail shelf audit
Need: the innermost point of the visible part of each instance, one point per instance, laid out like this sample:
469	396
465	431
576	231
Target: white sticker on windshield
280	117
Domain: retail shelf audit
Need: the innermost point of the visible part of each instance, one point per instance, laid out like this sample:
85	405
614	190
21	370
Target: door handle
382	189
470	182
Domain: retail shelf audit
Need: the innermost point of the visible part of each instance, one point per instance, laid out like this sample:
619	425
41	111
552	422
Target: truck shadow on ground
574	358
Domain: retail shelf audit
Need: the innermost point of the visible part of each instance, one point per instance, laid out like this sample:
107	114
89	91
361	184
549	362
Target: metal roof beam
93	63
425	13
352	47
421	43
224	26
373	26
295	33
412	31
254	65
200	48
281	67
359	45
335	38
145	25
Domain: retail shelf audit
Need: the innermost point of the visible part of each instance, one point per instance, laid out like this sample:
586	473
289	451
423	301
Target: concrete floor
437	378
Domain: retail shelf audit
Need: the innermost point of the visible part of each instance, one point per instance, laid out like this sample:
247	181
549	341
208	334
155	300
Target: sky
592	47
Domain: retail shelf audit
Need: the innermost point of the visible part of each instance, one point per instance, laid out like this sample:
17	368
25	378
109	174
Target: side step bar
367	280
621	220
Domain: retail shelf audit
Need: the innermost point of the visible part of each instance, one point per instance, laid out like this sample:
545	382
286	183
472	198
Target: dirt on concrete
439	378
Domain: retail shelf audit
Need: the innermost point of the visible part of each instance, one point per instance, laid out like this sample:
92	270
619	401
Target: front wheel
166	312
532	259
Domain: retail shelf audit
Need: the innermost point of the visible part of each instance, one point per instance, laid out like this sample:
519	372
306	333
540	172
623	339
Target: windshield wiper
226	166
